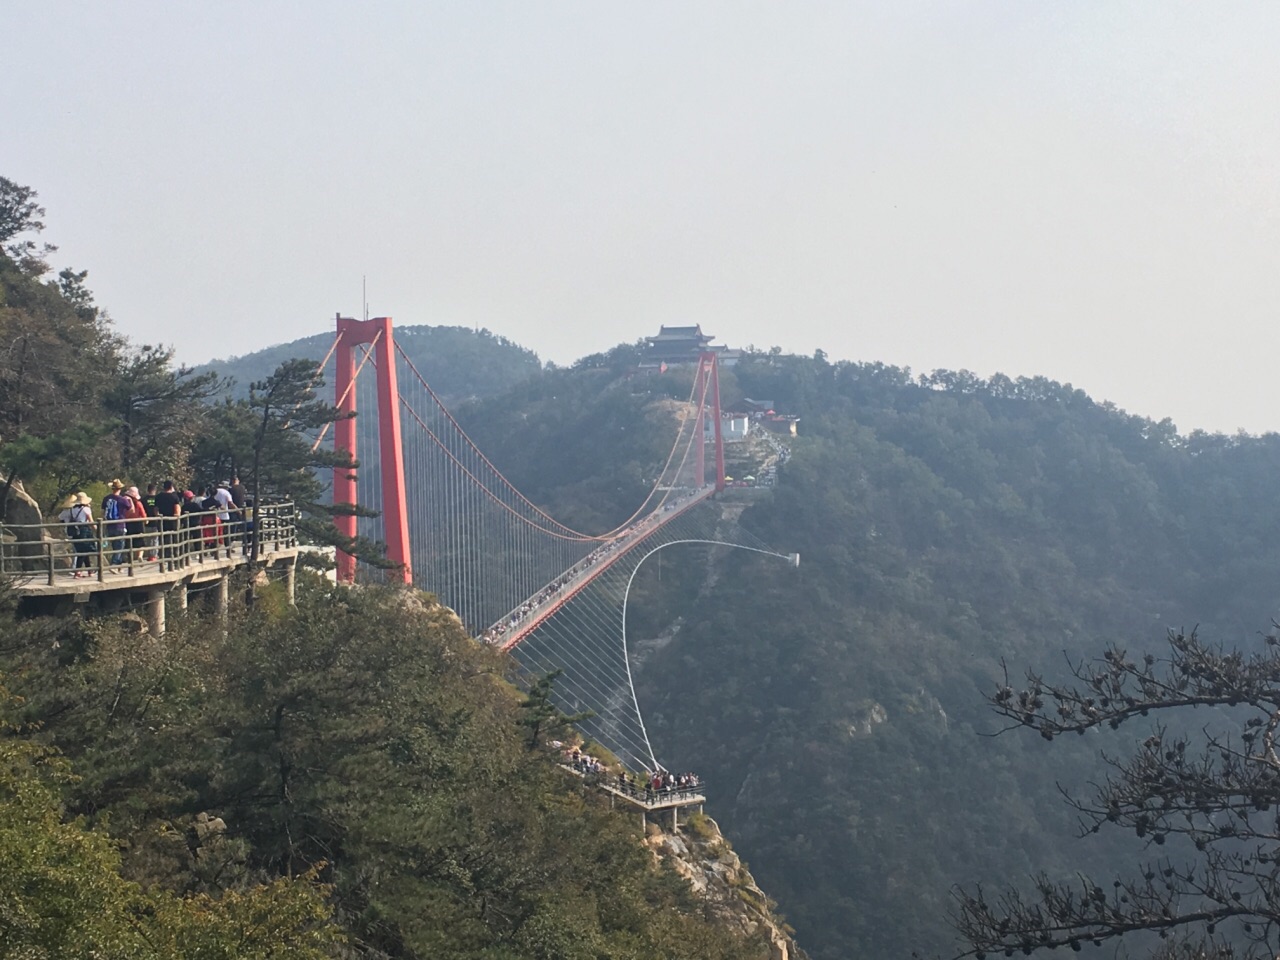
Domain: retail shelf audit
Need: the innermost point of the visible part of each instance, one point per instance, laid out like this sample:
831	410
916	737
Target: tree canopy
361	741
949	523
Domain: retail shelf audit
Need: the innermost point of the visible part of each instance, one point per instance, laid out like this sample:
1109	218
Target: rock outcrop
21	509
22	519
701	854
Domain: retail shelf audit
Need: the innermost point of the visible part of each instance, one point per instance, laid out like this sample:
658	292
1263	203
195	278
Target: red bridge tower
395	516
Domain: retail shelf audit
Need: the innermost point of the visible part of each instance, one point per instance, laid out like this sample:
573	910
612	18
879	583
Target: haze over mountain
952	527
313	773
1083	191
949	525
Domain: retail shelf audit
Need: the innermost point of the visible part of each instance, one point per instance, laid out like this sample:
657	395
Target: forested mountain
352	776
356	767
948	525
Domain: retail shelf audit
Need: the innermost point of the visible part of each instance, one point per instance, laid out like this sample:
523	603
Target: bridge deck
626	542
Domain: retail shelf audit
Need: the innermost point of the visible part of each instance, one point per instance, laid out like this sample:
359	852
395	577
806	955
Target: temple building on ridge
676	346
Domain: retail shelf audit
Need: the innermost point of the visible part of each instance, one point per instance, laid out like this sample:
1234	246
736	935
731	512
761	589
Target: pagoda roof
681	333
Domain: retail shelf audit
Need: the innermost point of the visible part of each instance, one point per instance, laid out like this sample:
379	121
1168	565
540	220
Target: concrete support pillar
180	595
155	612
222	597
290	578
675	820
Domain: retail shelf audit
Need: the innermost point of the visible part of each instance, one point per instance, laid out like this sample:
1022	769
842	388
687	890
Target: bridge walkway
523	620
46	568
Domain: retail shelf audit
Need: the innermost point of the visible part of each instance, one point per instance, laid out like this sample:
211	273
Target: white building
733	426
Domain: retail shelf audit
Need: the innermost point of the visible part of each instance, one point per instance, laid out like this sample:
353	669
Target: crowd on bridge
578	572
158	525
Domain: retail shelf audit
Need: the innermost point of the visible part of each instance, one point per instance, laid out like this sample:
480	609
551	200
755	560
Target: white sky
1083	190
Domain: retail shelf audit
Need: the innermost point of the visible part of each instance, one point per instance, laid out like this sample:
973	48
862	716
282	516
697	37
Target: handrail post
102	534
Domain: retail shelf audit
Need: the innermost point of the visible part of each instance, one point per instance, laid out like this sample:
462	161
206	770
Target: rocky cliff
701	854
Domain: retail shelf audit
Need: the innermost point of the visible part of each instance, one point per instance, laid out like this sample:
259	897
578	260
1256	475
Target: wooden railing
45	551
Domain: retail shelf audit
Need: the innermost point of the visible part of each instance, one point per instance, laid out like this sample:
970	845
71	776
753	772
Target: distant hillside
946	524
459	363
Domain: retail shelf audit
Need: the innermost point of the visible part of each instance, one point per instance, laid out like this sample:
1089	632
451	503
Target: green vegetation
352	776
360	739
360	754
947	525
541	717
78	403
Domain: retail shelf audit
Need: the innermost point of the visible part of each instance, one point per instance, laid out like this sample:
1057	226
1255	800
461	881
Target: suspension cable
368	354
627	595
577	534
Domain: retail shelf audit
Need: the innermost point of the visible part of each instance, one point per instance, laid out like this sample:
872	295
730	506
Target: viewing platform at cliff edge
53	563
647	801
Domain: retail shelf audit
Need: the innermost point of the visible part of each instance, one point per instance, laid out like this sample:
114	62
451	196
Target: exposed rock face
21	519
21	509
868	716
701	855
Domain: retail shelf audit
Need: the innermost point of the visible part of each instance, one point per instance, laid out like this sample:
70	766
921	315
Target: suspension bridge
552	596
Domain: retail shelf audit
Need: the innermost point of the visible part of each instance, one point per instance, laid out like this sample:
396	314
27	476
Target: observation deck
45	568
648	802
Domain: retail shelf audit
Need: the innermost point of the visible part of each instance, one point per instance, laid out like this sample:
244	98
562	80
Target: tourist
239	493
226	506
152	540
191	509
79	520
249	523
115	507
169	509
240	498
211	520
135	523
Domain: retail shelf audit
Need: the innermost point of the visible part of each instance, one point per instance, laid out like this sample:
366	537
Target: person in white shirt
225	503
78	517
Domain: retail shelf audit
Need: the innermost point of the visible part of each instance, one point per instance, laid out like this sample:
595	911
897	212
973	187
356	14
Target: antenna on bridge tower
364	295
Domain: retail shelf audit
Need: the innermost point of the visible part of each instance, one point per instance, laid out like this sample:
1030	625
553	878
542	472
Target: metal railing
636	788
109	550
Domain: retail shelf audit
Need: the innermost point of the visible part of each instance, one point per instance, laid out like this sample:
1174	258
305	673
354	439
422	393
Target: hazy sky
1083	190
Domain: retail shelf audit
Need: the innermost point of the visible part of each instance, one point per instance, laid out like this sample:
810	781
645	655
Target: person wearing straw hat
78	517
